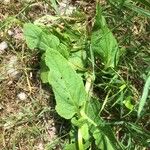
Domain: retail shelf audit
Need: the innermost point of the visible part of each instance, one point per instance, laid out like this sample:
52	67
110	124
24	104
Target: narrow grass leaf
145	2
137	9
144	96
54	5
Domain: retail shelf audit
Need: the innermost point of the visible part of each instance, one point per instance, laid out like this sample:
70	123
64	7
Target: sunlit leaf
68	87
37	38
103	42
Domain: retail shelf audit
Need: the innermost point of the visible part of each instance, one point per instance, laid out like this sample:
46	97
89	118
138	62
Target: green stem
80	141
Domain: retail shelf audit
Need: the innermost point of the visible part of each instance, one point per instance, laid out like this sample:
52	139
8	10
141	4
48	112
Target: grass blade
137	9
144	96
145	2
54	5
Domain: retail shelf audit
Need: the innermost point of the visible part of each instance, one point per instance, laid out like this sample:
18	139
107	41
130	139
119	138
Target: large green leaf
103	42
68	87
37	38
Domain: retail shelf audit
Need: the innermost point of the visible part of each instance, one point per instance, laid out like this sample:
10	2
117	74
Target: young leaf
127	102
103	42
104	132
68	87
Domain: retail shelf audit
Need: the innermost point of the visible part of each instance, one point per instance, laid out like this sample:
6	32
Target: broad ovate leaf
68	87
37	38
103	42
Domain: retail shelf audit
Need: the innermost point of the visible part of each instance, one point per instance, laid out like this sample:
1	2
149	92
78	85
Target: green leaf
79	123
37	38
54	5
92	111
44	71
77	60
103	42
63	49
139	134
145	2
102	141
144	96
133	6
104	136
68	87
127	103
71	146
85	131
137	9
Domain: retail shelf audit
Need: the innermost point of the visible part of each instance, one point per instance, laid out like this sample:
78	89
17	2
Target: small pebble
65	8
10	33
11	68
22	96
6	2
40	146
3	46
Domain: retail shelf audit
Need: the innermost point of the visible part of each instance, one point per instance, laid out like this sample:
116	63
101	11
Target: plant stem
80	141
